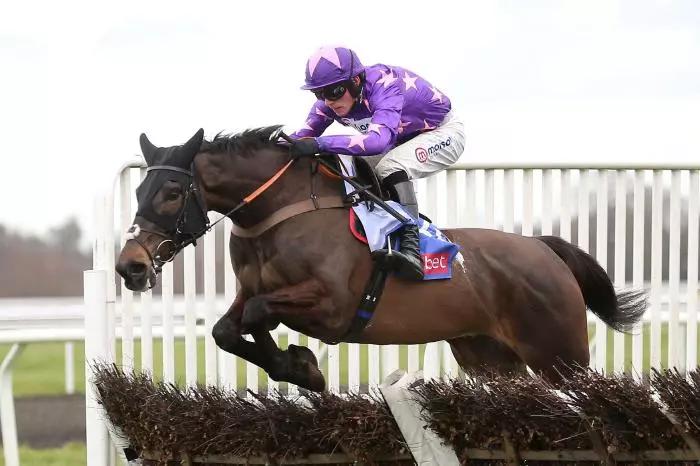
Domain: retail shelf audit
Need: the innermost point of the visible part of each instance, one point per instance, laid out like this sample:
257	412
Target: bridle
193	193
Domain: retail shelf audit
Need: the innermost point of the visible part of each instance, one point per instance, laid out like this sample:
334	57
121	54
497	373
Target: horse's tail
619	310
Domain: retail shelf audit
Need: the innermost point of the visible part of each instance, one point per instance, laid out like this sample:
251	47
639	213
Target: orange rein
250	197
326	172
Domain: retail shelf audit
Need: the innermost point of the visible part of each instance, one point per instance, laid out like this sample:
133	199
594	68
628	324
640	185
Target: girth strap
286	212
368	303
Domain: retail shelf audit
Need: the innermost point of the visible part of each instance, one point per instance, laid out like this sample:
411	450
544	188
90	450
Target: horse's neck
298	183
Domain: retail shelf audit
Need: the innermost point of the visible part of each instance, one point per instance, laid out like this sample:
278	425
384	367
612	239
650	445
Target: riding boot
406	262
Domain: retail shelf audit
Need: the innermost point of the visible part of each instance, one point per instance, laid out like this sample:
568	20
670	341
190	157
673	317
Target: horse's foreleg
297	365
227	334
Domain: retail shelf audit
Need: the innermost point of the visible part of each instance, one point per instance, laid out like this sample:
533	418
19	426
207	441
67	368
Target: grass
72	454
39	370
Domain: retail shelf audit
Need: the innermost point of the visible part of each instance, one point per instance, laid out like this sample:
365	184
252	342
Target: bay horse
512	301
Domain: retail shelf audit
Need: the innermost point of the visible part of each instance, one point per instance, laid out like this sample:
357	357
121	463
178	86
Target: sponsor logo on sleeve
421	154
440	145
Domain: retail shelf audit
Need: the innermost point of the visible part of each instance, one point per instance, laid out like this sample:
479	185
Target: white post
674	271
528	201
564	207
453	200
583	210
508	206
390	359
228	363
190	317
146	324
127	296
334	368
692	291
70	368
425	446
656	268
353	368
450	367
7	408
96	349
489	199
546	202
210	354
373	366
167	297
620	260
431	361
638	271
601	245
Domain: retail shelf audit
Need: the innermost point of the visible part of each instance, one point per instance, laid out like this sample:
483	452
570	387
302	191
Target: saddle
363	174
367	177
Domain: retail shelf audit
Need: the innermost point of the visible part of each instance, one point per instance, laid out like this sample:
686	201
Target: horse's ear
186	152
193	145
147	148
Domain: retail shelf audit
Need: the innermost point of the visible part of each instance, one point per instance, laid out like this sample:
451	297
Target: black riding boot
406	261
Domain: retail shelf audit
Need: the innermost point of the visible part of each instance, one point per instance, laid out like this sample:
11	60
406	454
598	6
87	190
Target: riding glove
305	147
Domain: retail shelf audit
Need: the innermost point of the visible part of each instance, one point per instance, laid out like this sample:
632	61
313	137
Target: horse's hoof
311	378
302	353
315	381
304	369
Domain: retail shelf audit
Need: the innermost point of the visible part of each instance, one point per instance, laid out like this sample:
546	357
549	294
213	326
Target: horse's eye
173	196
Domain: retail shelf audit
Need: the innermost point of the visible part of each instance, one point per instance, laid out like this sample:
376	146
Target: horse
512	302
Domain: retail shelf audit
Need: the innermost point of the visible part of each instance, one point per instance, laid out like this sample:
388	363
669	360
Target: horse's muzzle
137	275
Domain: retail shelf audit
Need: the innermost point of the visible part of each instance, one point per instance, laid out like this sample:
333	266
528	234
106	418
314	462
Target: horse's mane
243	143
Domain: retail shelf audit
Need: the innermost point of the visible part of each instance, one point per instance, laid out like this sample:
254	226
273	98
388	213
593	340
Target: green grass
39	370
72	454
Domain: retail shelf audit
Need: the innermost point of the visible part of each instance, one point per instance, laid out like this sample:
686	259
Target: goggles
331	92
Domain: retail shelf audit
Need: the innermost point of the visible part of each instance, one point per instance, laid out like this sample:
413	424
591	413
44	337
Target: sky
535	81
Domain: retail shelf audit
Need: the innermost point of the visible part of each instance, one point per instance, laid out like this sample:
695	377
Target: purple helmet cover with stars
329	65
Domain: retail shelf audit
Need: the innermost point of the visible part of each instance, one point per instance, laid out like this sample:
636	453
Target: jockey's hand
305	147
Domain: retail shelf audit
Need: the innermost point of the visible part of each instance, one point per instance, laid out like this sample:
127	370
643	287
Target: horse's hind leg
553	340
481	352
563	352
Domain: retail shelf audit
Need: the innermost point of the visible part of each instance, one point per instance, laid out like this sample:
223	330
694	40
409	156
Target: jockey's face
338	97
342	106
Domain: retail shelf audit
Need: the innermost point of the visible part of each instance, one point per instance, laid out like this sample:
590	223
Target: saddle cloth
437	250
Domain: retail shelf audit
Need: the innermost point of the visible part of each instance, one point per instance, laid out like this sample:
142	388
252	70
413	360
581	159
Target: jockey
398	114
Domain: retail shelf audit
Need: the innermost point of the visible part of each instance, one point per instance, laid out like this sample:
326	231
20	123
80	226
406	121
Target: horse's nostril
136	269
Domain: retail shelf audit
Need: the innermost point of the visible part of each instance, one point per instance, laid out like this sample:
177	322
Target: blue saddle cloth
437	251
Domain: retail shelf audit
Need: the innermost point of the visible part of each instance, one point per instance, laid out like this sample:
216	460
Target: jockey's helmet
330	65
